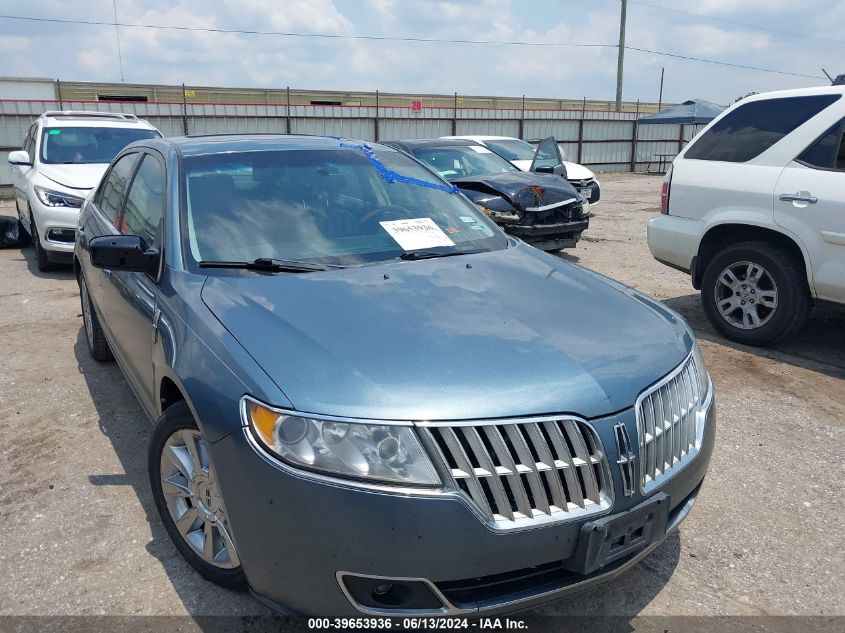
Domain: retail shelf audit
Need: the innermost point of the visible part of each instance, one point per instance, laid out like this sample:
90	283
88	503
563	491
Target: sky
76	52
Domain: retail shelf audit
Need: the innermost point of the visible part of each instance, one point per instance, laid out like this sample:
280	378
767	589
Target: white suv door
810	202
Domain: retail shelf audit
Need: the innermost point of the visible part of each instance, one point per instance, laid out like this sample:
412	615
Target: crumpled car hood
520	332
525	191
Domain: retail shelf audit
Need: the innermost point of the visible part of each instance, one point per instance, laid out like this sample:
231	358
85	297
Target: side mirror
557	170
122	252
19	157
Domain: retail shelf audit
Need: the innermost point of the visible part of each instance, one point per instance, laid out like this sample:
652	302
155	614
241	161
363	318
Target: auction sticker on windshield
417	233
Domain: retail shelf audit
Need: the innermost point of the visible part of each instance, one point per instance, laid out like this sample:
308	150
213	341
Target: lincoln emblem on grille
626	458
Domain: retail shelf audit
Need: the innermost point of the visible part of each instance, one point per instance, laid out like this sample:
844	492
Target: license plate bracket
606	540
587	193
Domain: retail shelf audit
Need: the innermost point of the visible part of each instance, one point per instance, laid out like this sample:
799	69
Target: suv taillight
664	192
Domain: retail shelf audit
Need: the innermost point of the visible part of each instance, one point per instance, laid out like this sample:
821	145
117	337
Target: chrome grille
669	424
527	471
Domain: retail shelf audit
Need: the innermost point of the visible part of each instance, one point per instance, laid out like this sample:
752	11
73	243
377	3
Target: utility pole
660	98
621	61
117	36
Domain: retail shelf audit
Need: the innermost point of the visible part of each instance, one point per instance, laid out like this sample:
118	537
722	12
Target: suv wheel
23	233
187	497
755	293
41	258
98	346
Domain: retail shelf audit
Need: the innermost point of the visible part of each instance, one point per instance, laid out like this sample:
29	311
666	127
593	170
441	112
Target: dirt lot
80	534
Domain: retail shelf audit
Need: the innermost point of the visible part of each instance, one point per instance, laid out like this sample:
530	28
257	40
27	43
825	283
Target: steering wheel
384	213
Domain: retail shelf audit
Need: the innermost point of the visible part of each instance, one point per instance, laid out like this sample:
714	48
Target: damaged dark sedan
540	207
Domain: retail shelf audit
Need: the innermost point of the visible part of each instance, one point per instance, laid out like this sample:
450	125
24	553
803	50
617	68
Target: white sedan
521	153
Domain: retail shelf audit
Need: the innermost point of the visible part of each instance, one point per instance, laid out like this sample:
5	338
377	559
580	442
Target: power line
795	33
308	35
713	61
385	38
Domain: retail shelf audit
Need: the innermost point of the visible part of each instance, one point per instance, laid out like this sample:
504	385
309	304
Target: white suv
754	210
63	158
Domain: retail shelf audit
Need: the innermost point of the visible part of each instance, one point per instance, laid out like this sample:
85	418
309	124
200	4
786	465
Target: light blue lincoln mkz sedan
369	399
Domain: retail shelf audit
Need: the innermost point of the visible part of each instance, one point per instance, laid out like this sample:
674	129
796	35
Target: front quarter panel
212	370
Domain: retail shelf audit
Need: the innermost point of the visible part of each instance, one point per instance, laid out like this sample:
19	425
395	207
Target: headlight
701	371
57	199
502	216
386	453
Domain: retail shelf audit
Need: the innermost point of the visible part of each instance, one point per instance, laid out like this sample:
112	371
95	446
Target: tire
41	258
759	278
24	238
192	496
98	346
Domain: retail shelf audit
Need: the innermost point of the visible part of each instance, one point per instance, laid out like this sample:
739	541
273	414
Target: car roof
219	143
418	143
482	138
796	92
89	118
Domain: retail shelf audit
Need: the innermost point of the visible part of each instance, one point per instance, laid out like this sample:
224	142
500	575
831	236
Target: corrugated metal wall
602	140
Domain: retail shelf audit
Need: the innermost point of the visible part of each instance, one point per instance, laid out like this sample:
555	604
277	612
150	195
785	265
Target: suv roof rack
89	114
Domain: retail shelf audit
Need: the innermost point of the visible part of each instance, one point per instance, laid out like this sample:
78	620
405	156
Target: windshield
347	206
81	145
512	149
467	161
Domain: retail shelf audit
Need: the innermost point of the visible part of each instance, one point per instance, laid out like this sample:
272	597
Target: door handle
106	272
801	196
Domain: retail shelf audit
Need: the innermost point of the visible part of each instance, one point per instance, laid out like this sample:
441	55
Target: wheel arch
721	235
169	393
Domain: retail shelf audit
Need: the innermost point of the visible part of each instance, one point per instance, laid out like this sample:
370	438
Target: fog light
382	589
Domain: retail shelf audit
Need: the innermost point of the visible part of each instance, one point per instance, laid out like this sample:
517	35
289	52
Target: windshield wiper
270	265
414	255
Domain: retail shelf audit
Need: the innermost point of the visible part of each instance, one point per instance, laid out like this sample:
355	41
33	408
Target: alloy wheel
746	295
193	499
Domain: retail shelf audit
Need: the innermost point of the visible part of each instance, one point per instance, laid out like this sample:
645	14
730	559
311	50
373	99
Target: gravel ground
80	534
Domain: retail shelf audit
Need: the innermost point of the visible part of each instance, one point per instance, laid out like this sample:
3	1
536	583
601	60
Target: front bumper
590	187
549	237
299	538
56	226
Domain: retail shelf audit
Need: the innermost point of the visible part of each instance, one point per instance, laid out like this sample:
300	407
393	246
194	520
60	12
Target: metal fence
604	141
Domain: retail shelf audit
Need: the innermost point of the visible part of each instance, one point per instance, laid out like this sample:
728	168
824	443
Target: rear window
754	127
828	152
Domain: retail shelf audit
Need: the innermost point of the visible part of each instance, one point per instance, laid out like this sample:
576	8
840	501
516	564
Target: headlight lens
387	453
502	216
701	370
57	199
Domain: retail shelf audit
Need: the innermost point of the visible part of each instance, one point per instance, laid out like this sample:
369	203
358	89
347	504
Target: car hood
519	332
574	171
75	176
525	191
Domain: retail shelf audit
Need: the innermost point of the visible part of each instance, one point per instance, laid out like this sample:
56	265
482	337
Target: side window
754	127
145	203
111	191
828	152
28	143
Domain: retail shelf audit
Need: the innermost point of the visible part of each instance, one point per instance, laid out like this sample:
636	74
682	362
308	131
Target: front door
810	202
130	299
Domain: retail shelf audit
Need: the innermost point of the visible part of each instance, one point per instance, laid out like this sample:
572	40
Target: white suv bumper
674	241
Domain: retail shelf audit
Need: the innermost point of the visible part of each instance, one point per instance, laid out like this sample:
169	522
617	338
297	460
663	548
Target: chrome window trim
701	413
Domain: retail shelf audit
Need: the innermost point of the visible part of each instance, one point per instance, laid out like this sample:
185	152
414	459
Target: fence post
287	110
681	139
522	120
376	121
635	131
581	131
184	111
59	93
455	116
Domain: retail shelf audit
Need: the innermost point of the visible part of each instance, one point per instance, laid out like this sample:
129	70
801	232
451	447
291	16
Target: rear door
810	202
130	300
